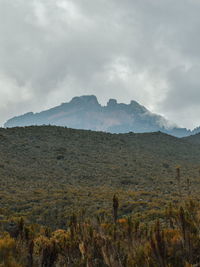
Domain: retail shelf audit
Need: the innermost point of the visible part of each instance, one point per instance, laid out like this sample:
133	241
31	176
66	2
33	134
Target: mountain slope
194	139
86	113
46	172
56	152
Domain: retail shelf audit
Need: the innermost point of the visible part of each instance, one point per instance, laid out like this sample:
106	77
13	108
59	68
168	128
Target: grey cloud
146	50
182	100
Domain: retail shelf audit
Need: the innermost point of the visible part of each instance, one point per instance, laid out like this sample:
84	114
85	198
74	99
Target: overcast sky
145	50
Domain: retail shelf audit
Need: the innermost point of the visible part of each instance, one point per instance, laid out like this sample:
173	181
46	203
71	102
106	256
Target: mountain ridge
85	112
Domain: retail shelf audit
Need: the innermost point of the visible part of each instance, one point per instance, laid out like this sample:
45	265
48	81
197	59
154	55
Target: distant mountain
85	112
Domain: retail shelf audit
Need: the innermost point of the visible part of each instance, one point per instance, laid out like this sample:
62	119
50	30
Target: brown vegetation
82	198
173	241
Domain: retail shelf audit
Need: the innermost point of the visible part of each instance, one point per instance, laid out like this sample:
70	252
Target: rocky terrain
85	112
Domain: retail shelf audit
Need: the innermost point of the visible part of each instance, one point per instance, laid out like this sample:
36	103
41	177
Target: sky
142	50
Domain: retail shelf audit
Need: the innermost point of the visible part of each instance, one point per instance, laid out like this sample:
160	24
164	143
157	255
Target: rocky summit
85	112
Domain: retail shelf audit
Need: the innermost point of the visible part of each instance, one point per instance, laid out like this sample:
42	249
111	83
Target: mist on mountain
85	112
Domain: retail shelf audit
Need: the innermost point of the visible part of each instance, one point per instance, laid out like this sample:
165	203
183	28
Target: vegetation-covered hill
46	171
82	198
194	139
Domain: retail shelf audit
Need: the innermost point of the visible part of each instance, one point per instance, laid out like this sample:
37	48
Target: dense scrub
172	241
46	172
56	189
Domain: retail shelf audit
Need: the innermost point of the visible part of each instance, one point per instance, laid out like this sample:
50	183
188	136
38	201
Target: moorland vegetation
56	194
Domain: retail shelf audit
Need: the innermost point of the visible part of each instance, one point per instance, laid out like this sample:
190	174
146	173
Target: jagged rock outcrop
85	112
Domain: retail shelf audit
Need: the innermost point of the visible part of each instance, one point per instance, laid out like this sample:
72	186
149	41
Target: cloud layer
146	50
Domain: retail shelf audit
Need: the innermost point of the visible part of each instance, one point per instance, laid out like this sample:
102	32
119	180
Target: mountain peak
85	112
136	106
85	100
112	102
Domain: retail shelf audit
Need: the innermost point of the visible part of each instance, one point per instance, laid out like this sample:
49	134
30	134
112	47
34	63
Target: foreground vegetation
172	241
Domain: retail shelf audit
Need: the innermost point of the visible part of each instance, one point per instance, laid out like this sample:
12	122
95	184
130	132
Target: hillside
194	139
85	112
50	170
